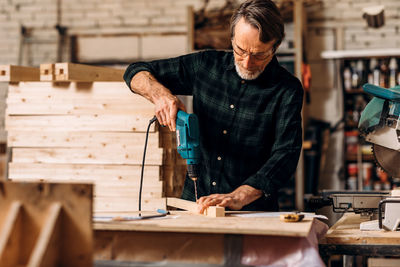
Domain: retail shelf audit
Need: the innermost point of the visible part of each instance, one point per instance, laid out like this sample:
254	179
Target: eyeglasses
257	56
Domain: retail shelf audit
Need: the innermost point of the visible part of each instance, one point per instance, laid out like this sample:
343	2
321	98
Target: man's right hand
166	108
166	104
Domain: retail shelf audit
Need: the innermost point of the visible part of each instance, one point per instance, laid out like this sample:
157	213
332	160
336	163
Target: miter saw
380	125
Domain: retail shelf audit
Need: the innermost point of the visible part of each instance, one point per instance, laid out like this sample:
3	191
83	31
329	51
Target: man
249	110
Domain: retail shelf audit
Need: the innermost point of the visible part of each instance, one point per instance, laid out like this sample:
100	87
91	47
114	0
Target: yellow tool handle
291	217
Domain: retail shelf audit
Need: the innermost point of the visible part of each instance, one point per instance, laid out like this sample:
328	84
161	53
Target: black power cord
144	156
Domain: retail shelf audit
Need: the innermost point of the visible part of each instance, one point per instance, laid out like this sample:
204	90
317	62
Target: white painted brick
137	21
82	23
163	20
181	12
160	3
195	4
109	21
133	5
97	14
163	46
149	12
18	16
117	48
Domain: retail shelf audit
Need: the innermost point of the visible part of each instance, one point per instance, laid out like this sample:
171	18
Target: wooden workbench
187	238
346	238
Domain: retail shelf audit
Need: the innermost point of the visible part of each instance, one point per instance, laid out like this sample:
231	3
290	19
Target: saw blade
388	159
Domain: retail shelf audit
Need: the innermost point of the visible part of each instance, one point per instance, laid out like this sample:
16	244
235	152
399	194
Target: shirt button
224	131
214	183
219	158
242	81
231	106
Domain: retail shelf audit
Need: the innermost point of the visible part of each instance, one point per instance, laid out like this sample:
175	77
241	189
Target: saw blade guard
371	116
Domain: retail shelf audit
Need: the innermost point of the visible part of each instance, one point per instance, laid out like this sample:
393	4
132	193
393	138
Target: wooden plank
80	72
107	123
127	204
347	231
11	73
77	107
183	249
10	236
46	251
77	89
88	139
123	174
192	207
85	156
47	72
109	190
185	222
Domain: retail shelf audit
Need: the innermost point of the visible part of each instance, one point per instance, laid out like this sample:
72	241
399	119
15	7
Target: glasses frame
259	56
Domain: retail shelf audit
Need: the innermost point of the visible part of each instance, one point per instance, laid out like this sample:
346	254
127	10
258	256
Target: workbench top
181	221
347	231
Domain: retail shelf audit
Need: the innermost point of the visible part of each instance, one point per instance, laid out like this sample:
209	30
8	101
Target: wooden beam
104	122
45	234
47	251
99	173
86	73
10	236
47	72
70	139
86	156
11	73
192	207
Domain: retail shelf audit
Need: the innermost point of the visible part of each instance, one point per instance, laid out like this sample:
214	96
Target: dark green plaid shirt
250	131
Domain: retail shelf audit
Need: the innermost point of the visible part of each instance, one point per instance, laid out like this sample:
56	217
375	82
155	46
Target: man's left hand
235	200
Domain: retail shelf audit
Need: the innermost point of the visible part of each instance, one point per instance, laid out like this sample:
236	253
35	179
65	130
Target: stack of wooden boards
81	123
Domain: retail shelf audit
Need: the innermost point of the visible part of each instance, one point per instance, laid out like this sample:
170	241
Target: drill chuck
192	171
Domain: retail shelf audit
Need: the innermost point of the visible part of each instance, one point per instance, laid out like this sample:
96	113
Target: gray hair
263	15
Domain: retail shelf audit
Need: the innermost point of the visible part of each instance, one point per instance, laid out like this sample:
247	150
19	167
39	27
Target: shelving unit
355	68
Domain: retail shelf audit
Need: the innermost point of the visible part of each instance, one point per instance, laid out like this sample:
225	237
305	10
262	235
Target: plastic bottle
374	72
392	72
361	73
354	75
347	79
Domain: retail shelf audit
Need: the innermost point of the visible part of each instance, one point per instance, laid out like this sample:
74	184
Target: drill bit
194	179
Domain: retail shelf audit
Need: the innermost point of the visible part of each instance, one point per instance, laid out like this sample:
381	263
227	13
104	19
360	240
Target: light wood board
106	173
347	231
85	156
107	123
111	140
180	221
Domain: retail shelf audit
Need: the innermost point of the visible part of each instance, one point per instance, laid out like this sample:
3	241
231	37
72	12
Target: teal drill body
188	139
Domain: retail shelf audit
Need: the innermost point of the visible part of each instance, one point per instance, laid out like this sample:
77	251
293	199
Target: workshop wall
157	28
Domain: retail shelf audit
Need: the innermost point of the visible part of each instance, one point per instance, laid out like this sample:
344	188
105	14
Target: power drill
187	138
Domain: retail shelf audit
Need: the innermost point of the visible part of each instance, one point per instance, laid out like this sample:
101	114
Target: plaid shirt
250	131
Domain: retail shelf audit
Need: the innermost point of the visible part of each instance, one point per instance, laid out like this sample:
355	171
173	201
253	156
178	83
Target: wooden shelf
349	54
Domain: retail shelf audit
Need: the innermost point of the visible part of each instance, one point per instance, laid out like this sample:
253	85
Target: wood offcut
192	207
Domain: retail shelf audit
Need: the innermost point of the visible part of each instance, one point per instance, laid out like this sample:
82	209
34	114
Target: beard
248	75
